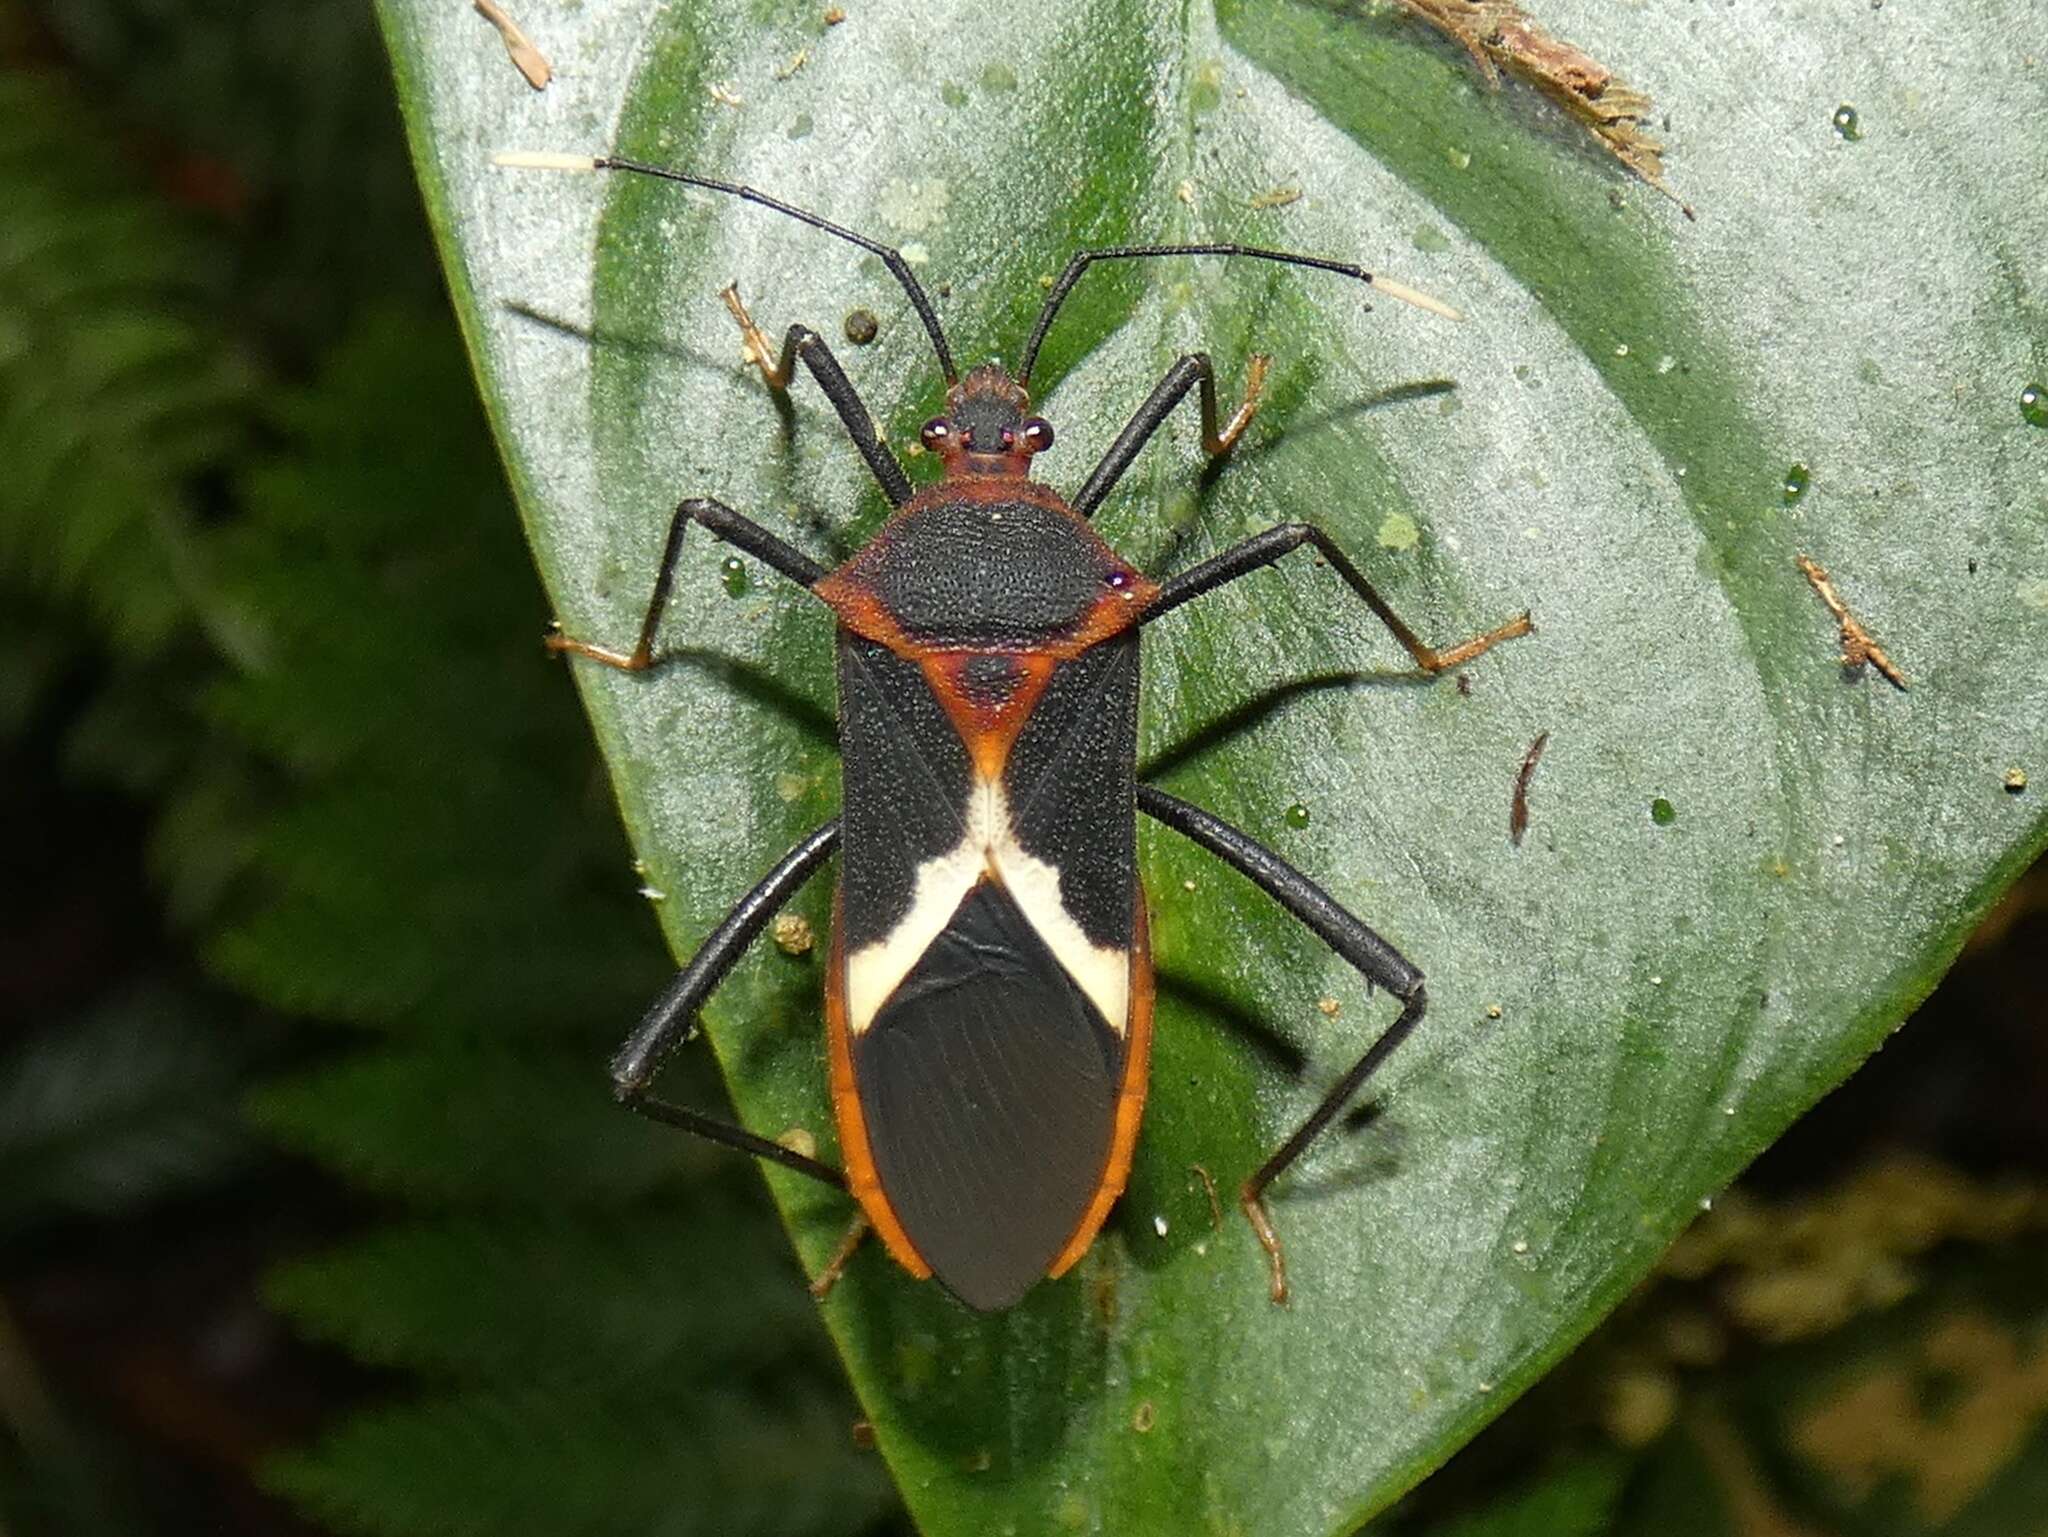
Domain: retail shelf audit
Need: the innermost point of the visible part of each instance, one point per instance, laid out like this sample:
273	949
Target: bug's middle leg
721	522
1371	956
1192	370
1265	548
801	342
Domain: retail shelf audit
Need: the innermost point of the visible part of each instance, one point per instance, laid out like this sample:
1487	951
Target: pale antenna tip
1414	296
543	160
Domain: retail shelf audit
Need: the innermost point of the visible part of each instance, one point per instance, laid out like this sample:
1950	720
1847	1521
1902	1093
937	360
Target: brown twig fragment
1262	1225
529	60
1209	1188
1518	809
1857	646
1500	35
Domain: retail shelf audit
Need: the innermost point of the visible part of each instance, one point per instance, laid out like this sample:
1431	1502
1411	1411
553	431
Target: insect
988	993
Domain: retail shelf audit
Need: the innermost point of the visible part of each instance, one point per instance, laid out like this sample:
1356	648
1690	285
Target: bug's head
986	429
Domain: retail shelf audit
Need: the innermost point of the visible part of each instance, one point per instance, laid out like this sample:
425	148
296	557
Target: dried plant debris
1795	1268
528	59
1857	646
1209	1189
1500	35
793	934
1518	809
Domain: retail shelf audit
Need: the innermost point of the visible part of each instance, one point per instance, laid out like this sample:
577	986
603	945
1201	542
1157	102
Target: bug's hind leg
801	342
856	1234
1371	956
674	1013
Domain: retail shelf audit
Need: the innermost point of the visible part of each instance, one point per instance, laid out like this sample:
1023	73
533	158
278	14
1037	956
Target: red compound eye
1037	435
936	434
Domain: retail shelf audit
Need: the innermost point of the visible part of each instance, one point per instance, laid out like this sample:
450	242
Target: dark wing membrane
989	1083
906	777
1072	787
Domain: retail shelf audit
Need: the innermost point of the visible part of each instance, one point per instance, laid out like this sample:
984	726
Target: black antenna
892	259
1082	259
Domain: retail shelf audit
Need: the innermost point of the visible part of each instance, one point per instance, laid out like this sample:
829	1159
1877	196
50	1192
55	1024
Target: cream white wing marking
990	849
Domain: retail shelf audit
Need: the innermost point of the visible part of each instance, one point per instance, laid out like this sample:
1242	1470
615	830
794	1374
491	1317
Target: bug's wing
988	1084
991	1073
1071	786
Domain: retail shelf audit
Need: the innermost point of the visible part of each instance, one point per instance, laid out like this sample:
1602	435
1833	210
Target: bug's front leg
1189	372
801	342
1371	956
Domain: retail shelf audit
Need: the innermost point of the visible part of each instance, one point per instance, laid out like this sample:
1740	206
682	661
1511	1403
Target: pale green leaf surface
1629	391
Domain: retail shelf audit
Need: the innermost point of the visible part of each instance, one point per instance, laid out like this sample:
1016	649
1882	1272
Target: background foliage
1745	866
309	828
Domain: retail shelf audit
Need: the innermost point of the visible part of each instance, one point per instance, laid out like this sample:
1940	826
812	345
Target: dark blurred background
300	832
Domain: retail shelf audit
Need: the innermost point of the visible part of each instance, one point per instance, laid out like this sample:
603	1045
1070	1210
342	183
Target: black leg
1183	376
1373	958
675	1012
802	342
722	523
1264	549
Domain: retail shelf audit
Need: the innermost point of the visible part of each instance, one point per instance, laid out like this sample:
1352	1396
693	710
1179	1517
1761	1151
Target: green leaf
118	1109
278	117
554	1463
456	1122
571	1299
429	855
114	390
1606	440
1576	1501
